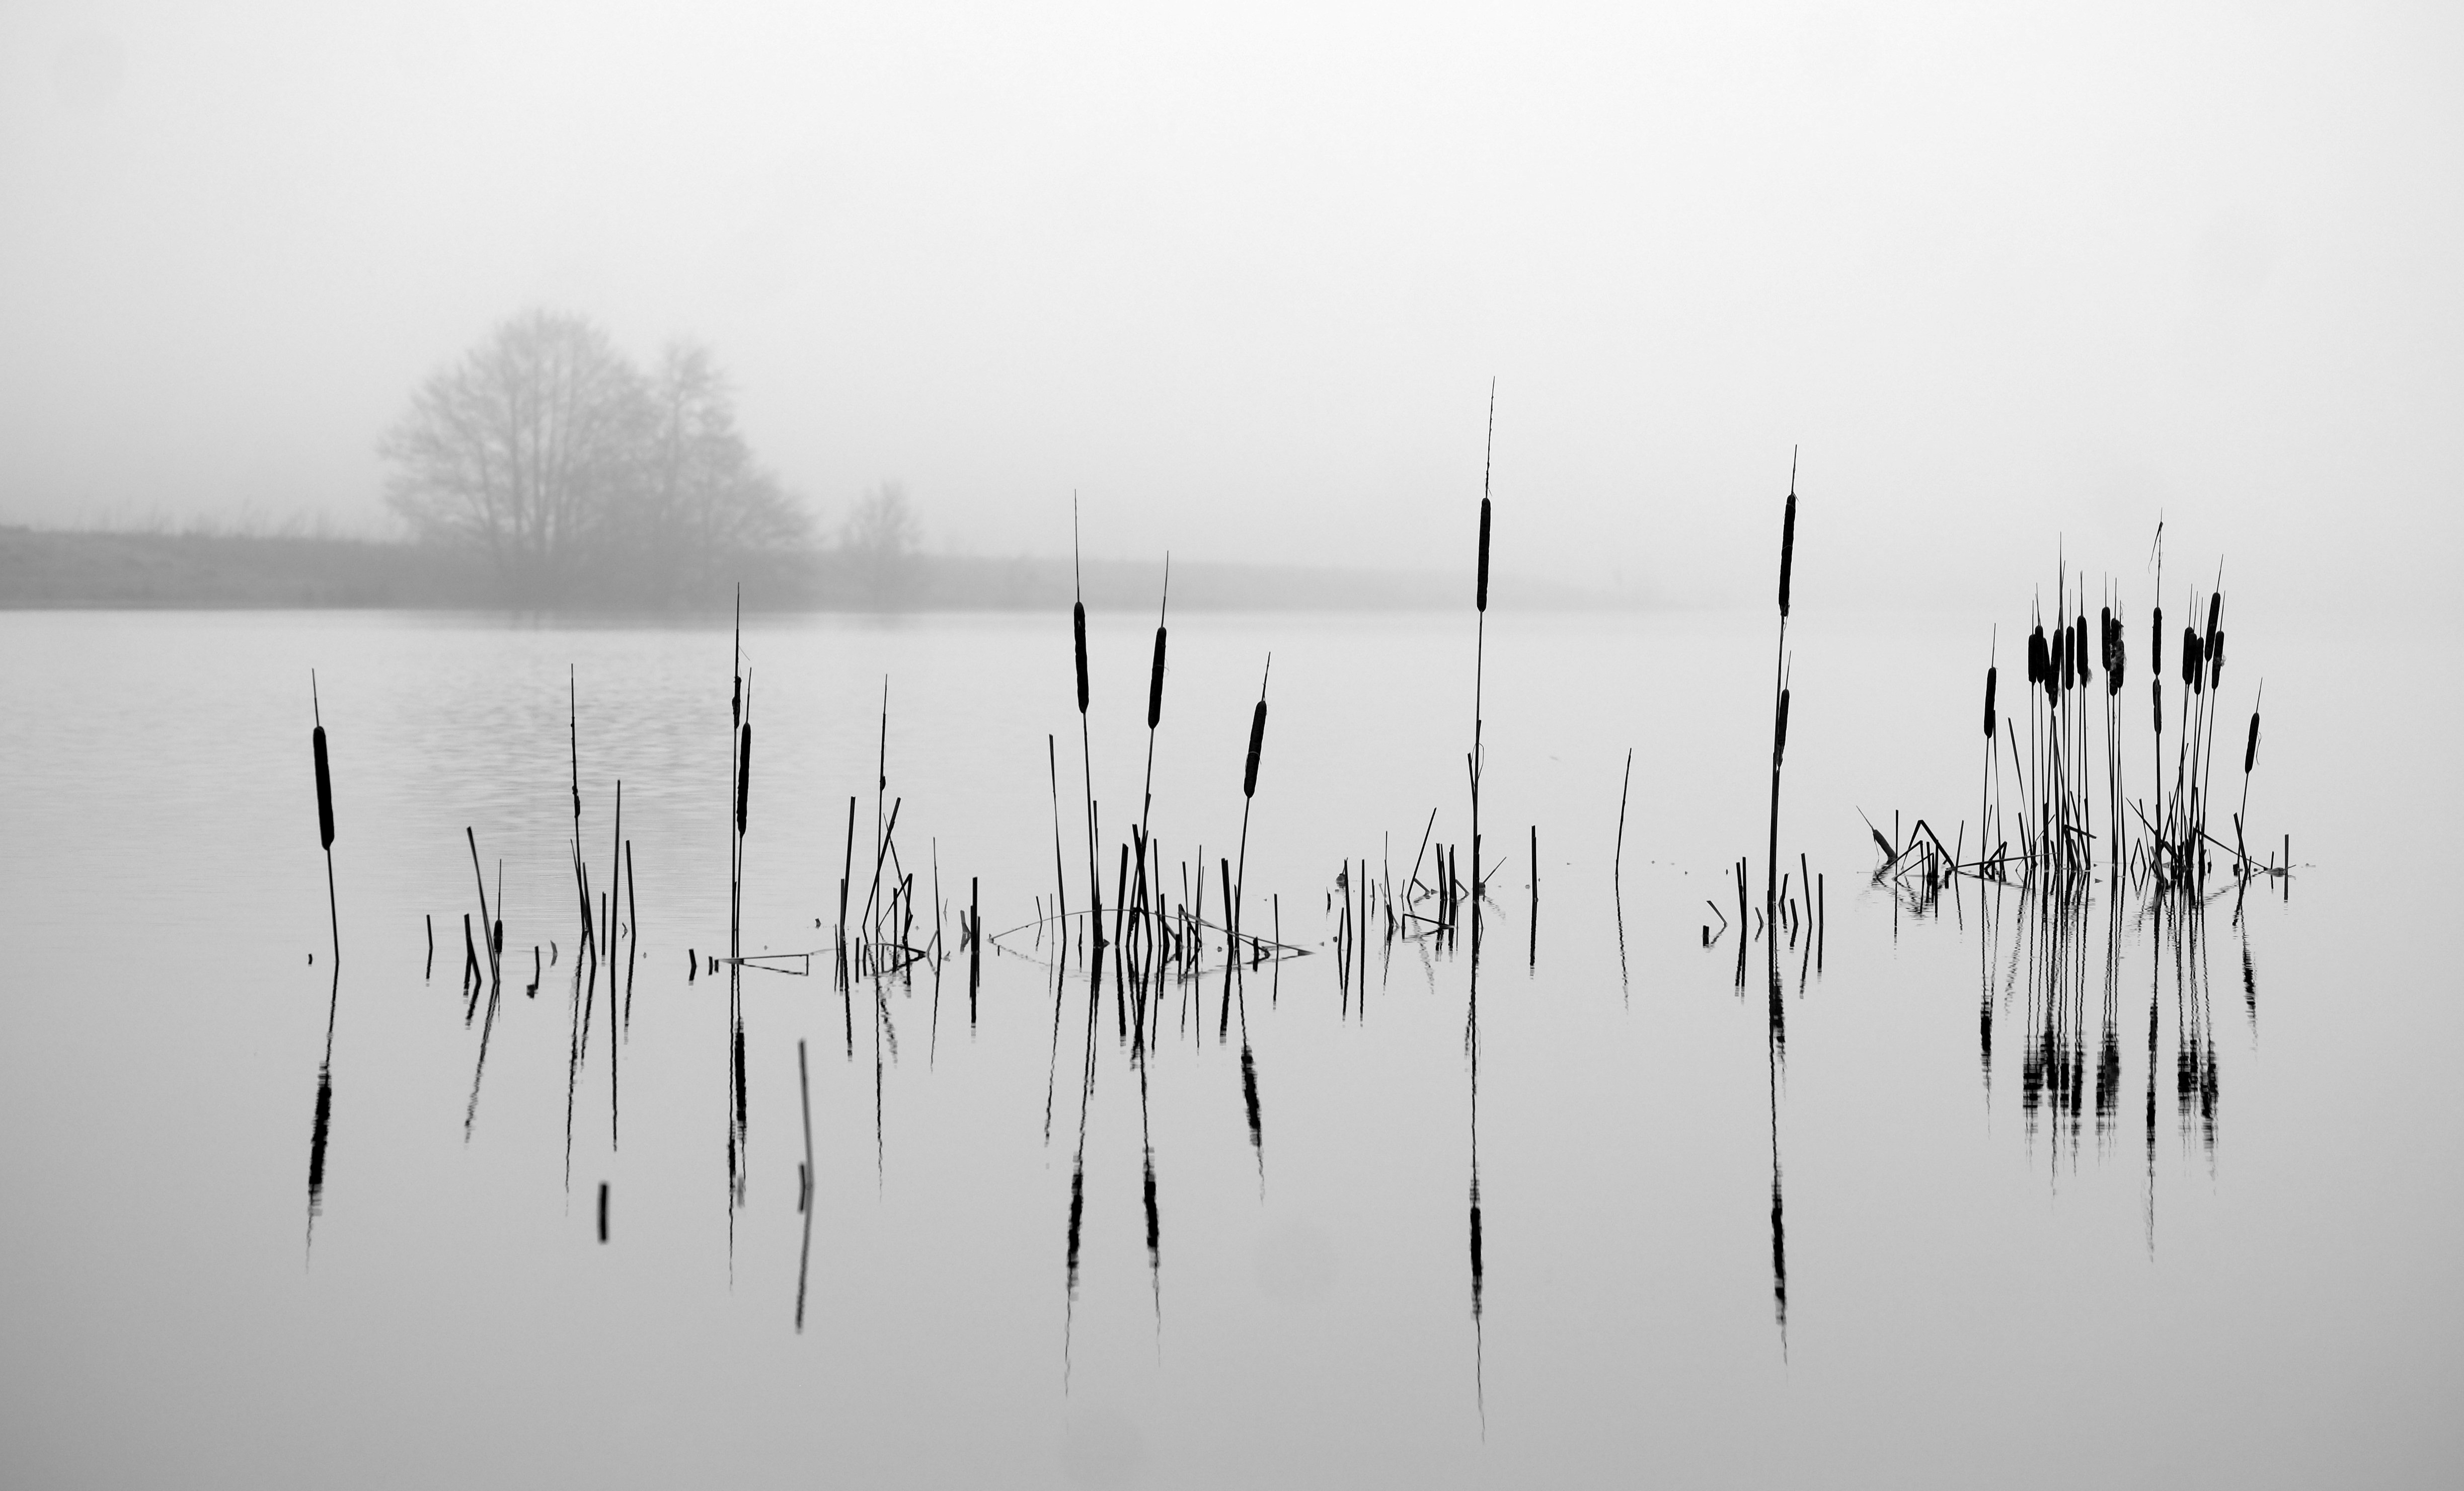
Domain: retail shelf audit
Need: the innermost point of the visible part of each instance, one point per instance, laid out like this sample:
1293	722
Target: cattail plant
1086	748
1985	794
1478	661
1779	689
1154	719
2249	761
1248	796
321	1129
325	811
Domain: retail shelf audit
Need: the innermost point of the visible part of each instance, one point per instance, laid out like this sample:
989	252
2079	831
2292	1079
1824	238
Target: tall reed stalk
1237	892
1479	661
1779	691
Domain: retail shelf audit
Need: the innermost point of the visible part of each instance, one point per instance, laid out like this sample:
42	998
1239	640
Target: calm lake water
1878	1244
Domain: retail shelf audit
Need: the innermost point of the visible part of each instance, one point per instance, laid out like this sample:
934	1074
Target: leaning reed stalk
2249	760
1155	718
1617	864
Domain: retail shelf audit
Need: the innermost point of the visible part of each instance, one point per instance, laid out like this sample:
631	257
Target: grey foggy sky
1240	275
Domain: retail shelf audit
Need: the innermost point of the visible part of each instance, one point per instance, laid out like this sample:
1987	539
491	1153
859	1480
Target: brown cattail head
2156	694
2079	649
2190	657
2039	660
2216	656
1078	630
1480	596
1989	673
2054	662
2104	638
1779	732
2250	752
2117	660
1155	684
1257	744
1786	551
2215	613
2156	643
743	774
324	790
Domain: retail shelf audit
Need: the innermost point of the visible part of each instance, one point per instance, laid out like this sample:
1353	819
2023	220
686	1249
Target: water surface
1849	1231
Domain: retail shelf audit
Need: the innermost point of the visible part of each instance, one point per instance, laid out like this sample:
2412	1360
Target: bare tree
522	448
878	542
575	475
702	504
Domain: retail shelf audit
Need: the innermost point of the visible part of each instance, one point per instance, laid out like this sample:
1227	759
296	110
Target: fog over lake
1322	746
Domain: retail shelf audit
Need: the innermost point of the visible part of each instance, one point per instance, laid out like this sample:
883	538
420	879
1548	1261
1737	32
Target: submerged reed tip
1078	630
1155	683
1990	673
324	790
1787	548
1480	595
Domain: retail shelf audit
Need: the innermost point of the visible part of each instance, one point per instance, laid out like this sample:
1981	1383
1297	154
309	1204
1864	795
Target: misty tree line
577	474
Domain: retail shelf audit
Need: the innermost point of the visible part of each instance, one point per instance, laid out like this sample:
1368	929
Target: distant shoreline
43	569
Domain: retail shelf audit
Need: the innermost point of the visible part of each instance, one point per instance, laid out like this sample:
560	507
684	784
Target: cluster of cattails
2045	812
1146	934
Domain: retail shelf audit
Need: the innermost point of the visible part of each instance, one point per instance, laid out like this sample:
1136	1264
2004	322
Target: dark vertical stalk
1480	658
633	915
1617	865
1779	690
1060	879
1236	890
1086	747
